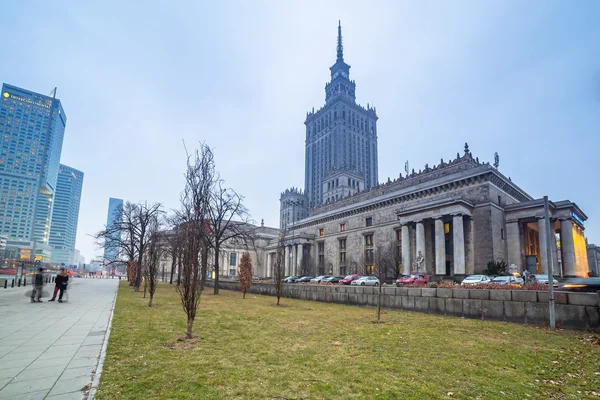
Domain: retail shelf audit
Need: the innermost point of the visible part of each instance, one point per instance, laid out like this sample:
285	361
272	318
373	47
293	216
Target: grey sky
136	78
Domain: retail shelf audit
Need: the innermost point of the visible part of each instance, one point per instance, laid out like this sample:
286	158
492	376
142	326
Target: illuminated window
342	227
447	227
321	232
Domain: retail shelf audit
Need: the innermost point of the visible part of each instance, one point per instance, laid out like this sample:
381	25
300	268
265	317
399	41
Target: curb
98	373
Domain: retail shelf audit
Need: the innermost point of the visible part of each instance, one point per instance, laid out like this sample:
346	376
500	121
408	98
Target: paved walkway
51	350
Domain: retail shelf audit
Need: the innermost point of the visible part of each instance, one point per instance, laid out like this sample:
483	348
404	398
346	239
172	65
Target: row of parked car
361	280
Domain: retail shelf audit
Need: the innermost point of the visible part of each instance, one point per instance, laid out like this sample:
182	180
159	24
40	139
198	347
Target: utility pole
550	265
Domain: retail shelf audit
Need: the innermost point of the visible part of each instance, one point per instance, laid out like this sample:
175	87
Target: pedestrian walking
526	276
38	283
60	285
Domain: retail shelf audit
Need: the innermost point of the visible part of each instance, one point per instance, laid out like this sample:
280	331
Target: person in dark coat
38	283
60	285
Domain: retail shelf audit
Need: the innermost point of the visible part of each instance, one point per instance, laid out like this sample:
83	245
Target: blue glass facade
115	210
32	129
65	214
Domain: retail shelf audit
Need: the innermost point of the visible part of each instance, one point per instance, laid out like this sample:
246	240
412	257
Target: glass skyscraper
32	128
115	212
65	214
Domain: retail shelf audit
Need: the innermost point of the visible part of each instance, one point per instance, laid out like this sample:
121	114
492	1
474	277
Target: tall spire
340	48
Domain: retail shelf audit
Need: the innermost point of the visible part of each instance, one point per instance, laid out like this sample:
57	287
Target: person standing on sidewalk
60	284
38	283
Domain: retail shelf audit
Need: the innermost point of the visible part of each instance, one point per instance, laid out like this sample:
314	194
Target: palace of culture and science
446	220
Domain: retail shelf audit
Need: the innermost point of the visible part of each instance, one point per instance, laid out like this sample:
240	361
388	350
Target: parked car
543	279
349	278
366	281
580	285
304	279
320	278
411	280
507	280
291	279
475	279
332	279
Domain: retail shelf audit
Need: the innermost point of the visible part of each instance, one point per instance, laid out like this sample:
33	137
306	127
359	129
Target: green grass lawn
307	350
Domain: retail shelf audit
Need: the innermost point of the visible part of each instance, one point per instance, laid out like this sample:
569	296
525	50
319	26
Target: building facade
341	136
446	221
32	128
115	212
593	253
293	206
65	214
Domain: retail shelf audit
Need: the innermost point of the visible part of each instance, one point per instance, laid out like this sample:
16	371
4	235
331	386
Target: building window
232	258
342	227
321	247
342	244
343	258
369	240
499	200
369	221
446	228
321	232
502	233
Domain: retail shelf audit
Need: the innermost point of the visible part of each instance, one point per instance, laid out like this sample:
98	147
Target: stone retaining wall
573	310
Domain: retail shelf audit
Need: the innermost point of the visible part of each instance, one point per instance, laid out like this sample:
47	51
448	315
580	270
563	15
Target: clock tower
340	85
341	137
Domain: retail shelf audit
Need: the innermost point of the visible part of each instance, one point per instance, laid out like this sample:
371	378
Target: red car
411	280
349	278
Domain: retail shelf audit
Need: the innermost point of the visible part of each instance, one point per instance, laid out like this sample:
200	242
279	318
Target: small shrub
496	268
433	285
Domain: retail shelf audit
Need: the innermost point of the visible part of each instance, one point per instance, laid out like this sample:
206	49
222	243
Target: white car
318	279
475	279
366	281
543	279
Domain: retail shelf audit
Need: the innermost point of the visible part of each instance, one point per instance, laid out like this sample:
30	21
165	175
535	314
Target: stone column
568	248
294	267
513	241
470	247
542	238
440	247
286	264
299	259
268	271
458	234
420	239
405	250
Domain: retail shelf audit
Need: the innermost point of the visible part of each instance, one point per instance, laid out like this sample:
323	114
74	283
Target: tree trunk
173	264
217	270
278	297
204	267
244	295
379	303
150	302
138	275
179	271
190	324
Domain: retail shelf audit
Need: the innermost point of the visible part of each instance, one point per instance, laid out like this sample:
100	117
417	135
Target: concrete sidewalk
51	350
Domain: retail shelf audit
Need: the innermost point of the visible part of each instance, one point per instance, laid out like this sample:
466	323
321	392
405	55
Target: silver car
318	279
366	281
543	279
475	279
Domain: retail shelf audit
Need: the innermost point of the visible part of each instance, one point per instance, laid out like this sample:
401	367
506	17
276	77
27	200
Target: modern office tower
65	214
115	210
341	136
32	128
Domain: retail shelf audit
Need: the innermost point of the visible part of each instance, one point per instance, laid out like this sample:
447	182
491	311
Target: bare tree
228	221
153	254
129	235
279	266
245	274
384	266
192	229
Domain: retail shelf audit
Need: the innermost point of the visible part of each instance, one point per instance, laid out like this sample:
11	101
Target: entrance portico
527	241
443	233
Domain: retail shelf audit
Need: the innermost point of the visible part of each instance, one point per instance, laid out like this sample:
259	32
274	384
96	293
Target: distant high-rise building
292	207
32	128
115	210
341	136
65	214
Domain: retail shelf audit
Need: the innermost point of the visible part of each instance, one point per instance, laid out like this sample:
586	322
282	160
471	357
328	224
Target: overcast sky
137	78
